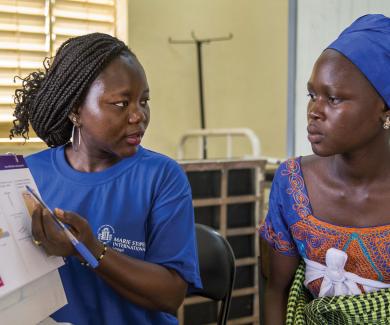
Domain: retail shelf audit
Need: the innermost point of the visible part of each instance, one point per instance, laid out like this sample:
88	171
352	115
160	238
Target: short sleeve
275	228
171	238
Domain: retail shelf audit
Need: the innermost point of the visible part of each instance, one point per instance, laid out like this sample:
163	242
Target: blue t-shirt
142	207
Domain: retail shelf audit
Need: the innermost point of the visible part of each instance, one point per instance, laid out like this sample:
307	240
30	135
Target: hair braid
48	97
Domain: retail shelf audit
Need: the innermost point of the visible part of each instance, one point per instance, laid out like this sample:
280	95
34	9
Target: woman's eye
311	96
334	100
122	104
144	102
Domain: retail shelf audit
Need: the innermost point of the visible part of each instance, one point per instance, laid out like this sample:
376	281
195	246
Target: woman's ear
74	119
386	119
385	112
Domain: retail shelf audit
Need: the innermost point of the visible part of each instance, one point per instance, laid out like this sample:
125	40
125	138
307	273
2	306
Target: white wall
319	22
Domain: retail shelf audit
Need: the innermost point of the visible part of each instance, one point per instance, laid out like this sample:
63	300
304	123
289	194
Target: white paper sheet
30	286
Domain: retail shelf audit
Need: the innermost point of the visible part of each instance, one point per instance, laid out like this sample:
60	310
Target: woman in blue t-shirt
129	206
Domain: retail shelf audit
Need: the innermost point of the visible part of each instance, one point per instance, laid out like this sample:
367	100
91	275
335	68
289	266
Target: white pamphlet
30	286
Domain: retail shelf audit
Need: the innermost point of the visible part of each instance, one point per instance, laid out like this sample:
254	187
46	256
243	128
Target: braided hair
48	97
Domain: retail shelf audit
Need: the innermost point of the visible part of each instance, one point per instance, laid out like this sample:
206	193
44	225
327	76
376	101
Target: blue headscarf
366	43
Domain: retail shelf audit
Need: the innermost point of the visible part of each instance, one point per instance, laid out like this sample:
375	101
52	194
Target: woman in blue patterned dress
332	209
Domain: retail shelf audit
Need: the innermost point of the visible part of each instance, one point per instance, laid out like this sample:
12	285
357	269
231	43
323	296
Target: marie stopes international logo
106	234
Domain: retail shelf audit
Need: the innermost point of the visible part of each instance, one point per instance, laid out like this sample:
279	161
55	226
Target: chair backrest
217	268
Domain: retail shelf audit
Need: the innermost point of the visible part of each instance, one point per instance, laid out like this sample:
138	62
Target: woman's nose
315	109
136	116
314	115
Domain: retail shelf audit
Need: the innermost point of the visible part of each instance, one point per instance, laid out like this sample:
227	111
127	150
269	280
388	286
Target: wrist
96	248
98	254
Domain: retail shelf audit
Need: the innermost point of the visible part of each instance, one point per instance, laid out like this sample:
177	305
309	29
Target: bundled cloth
364	309
335	280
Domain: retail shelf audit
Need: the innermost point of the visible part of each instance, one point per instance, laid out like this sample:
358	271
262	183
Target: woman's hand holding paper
54	240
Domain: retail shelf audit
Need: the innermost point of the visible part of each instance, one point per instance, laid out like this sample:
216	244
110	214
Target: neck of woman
88	162
362	166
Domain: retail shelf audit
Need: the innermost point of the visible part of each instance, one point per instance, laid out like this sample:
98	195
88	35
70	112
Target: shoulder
164	169
40	158
160	161
289	177
314	166
150	154
41	166
289	190
166	176
310	162
289	167
39	155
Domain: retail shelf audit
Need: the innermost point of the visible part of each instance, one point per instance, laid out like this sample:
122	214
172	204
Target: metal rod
201	96
212	39
199	42
200	80
203	40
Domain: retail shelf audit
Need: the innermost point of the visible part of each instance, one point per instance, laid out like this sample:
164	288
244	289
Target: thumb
60	214
70	218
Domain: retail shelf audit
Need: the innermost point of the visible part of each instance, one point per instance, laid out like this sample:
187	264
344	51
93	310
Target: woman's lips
314	136
134	139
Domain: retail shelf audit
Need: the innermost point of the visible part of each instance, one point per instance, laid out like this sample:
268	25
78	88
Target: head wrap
366	43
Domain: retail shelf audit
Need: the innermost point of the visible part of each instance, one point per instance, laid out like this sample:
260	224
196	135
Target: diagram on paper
3	233
25	261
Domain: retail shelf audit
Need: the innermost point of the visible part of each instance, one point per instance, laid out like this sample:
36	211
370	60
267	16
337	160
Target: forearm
275	301
146	284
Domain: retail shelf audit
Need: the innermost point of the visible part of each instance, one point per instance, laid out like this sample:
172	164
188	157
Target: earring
76	142
386	125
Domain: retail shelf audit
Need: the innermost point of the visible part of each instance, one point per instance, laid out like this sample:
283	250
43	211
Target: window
31	30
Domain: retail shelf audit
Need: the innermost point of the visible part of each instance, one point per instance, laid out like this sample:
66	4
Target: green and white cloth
364	309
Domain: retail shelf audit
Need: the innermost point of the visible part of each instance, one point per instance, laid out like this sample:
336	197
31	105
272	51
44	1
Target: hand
53	239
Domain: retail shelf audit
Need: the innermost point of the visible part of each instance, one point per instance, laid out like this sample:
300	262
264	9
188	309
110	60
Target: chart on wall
318	24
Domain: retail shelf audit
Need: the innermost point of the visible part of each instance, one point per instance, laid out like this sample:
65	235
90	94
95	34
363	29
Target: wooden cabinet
228	196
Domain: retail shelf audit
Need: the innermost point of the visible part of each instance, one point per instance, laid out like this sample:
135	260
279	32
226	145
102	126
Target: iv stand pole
199	42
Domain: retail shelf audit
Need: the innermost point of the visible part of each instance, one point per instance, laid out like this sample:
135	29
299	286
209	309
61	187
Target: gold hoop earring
386	125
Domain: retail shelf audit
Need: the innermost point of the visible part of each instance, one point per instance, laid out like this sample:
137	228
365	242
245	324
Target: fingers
50	228
79	226
77	223
44	229
54	241
36	224
29	202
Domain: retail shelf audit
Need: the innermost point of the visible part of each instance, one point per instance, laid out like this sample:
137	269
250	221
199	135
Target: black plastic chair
217	269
